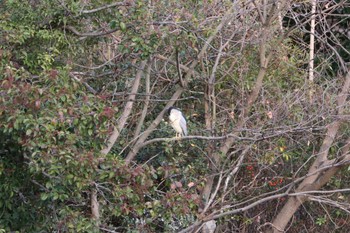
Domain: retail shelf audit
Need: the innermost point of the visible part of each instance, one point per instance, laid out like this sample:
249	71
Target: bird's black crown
169	110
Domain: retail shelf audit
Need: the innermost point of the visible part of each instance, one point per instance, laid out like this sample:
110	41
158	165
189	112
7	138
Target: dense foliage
68	74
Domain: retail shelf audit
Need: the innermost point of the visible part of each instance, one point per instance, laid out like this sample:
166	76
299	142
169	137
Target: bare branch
91	34
147	100
93	91
125	3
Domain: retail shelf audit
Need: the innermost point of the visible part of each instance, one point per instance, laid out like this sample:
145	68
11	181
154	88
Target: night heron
177	121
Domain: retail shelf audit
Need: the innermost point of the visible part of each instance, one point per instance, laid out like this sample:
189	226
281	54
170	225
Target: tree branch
127	110
93	91
125	3
147	101
90	34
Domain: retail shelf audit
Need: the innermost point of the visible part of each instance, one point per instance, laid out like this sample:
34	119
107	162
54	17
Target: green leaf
48	185
29	132
44	196
16	125
63	98
90	132
55	196
122	26
113	24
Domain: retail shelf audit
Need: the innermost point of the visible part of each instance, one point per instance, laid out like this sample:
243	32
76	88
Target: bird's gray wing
183	125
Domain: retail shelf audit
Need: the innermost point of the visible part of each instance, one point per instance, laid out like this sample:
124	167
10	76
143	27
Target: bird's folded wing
183	126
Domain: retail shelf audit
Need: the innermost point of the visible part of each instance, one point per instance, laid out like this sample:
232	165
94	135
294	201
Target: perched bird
177	121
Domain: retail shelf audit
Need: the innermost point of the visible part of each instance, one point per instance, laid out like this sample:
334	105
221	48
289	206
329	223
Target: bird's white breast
175	117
